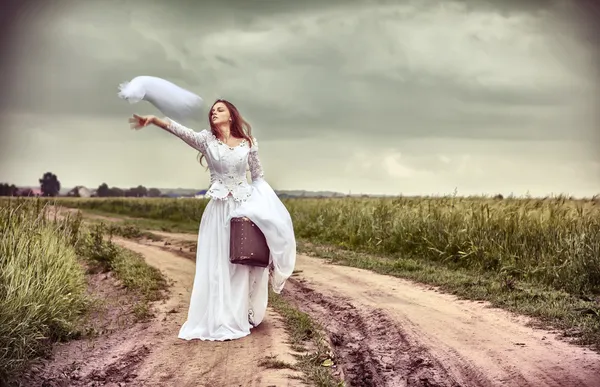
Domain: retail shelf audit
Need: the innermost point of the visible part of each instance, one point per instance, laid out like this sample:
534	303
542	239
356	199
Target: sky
401	97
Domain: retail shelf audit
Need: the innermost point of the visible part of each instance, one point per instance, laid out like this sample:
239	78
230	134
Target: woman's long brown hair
240	128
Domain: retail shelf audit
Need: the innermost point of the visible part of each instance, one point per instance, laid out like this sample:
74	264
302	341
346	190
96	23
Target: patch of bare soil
392	332
373	349
111	320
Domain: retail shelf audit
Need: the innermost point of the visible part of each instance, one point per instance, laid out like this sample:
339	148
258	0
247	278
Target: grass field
43	288
554	242
540	257
42	285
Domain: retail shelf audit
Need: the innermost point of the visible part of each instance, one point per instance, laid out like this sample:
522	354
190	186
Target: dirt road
385	332
391	332
175	362
150	354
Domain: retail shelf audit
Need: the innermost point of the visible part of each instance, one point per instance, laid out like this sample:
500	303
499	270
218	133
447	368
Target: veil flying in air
170	99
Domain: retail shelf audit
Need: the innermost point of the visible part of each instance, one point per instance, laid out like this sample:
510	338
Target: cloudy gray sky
413	97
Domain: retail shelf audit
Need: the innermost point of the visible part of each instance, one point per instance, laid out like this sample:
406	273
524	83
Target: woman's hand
139	122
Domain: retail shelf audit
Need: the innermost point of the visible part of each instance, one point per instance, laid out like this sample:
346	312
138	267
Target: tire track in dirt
121	371
373	349
399	333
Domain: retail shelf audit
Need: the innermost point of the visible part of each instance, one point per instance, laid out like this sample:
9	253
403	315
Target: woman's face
219	114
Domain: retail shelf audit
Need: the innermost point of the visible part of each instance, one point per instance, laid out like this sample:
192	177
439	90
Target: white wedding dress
227	299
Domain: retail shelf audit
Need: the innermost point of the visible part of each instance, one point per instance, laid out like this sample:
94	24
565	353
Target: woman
229	299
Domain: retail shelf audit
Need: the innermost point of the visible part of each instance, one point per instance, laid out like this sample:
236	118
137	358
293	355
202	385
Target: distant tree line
8	189
139	191
50	187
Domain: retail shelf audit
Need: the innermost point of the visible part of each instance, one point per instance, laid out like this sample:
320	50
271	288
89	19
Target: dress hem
233	337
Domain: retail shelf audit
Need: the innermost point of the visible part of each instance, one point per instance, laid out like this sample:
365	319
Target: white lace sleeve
196	140
256	170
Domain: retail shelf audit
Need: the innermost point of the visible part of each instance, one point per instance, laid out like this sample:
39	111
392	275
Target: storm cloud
348	96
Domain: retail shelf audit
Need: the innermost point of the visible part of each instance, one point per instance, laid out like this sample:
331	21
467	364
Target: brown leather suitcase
247	244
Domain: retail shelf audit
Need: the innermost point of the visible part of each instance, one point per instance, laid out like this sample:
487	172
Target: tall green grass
143	280
42	285
553	242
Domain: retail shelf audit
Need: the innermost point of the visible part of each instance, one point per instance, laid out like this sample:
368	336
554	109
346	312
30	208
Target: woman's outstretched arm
196	140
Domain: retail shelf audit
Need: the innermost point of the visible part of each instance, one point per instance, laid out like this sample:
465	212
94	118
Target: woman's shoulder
207	133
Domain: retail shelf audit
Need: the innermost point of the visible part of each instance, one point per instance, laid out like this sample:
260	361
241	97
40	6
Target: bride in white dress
227	299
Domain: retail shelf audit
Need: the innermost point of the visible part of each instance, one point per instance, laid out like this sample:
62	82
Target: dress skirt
228	300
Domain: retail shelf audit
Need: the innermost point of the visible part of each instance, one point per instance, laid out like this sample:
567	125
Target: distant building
27	191
80	192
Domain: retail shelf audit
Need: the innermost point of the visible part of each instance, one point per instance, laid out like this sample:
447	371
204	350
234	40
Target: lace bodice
227	165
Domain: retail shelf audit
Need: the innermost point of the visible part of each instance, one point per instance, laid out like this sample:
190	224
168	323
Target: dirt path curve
175	362
150	354
391	332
